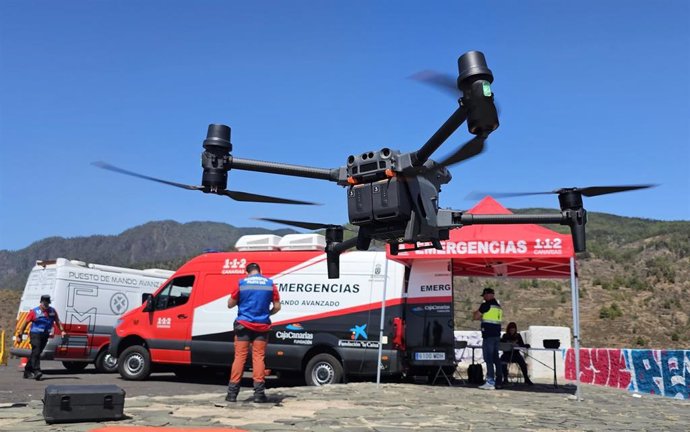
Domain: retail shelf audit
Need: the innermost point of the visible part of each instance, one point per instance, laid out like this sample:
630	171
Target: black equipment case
475	374
75	403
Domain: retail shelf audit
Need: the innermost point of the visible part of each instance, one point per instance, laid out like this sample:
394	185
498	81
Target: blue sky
592	93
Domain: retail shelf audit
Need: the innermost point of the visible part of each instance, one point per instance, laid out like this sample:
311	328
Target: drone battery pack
359	204
77	403
389	202
383	201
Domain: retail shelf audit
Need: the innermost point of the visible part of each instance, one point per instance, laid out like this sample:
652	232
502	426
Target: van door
429	314
385	276
80	303
170	321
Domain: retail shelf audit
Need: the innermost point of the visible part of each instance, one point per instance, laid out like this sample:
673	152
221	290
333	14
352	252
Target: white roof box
257	242
292	242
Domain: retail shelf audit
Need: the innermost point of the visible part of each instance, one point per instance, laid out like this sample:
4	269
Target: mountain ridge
633	278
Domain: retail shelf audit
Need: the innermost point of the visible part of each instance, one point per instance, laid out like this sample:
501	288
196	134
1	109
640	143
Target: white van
89	298
327	329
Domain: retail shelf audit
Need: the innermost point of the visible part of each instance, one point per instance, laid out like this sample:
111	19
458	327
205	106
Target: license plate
430	356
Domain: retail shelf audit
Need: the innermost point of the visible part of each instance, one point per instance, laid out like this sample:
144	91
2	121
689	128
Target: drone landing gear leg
363	241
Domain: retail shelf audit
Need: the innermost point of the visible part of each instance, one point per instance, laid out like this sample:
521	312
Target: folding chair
508	347
458	345
441	373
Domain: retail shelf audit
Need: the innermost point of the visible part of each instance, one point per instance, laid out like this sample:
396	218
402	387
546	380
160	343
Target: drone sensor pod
472	67
475	80
215	160
218	138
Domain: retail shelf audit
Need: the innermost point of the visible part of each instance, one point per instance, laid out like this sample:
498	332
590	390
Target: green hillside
634	278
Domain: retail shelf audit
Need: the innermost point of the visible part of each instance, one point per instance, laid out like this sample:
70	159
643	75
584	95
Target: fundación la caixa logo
359	330
358	338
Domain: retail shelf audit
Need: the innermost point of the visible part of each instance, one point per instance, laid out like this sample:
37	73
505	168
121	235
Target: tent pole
576	324
383	315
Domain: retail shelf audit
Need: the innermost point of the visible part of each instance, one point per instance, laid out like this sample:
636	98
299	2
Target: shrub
611	312
662	269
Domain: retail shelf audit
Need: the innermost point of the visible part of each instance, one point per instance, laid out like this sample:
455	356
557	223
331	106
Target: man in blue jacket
257	299
42	318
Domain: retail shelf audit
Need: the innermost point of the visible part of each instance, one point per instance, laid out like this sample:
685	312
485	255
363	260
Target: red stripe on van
417	300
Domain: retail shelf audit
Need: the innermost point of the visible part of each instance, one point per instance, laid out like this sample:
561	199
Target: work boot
233	391
260	392
28	375
38	376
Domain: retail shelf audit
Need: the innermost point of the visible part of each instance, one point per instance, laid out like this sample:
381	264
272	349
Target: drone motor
475	80
215	160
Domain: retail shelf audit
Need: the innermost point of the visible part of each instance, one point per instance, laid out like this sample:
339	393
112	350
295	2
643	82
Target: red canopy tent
521	251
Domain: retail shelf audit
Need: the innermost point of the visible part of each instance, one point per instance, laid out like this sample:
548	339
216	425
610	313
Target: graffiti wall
660	372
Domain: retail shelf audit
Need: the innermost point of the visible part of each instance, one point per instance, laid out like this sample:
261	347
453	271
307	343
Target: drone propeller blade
236	195
469	150
246	196
299	224
109	167
480	195
602	190
590	191
444	83
438	80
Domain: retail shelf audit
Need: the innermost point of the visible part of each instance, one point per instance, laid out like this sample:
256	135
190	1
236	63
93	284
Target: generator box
77	403
257	242
302	242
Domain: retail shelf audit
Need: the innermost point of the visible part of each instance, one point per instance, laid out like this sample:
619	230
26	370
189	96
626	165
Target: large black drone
393	197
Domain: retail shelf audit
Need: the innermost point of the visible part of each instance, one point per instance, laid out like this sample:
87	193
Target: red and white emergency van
326	329
89	298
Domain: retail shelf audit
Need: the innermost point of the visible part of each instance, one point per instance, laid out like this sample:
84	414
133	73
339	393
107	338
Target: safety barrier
3	352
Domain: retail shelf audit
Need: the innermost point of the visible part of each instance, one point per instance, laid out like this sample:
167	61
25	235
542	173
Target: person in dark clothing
42	319
514	356
491	315
257	299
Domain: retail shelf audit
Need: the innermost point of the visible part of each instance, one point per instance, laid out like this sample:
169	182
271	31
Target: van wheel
74	367
134	364
323	369
106	363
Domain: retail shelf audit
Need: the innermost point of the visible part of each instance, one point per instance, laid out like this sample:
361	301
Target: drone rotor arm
440	136
286	169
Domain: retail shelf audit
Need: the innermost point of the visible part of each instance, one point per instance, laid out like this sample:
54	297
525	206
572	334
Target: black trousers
516	357
38	343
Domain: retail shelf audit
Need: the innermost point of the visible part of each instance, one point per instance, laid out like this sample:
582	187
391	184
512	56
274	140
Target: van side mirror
145	297
149	304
